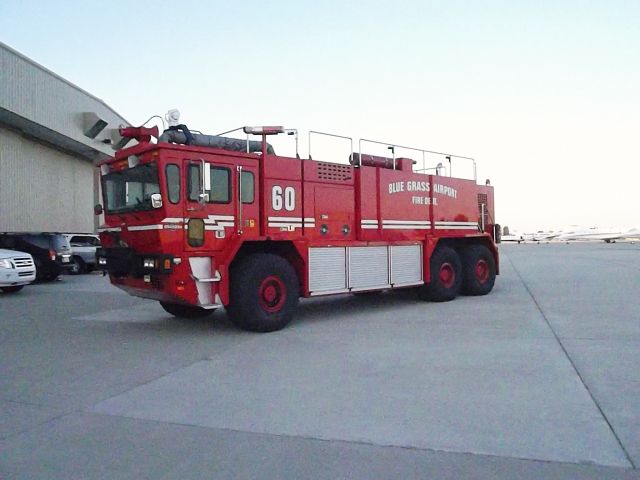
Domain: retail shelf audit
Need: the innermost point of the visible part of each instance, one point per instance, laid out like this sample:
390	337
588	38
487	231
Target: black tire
40	273
185	311
12	289
478	270
264	293
446	275
77	266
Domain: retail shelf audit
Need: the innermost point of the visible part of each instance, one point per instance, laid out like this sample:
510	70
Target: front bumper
14	277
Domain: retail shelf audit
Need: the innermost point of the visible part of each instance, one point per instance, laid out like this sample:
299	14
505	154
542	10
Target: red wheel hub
272	293
482	271
447	275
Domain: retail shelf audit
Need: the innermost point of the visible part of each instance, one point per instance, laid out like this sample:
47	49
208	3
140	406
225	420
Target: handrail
393	146
328	135
390	146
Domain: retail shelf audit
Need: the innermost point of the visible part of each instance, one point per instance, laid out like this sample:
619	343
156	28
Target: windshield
130	190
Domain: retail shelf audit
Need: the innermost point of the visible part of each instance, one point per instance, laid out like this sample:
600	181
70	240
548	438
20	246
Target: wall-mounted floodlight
92	124
117	140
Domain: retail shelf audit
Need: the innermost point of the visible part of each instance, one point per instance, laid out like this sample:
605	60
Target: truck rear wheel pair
472	272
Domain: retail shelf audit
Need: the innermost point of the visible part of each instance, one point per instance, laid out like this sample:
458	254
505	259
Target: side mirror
156	200
97	210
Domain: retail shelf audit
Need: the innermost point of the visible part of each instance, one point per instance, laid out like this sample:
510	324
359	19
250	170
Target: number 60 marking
286	198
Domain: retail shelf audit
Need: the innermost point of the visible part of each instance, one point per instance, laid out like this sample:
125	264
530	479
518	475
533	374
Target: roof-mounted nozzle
141	134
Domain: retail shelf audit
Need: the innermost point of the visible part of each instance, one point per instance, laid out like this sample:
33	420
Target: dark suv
51	252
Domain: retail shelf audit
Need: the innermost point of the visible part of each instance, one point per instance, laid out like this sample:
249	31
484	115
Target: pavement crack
573	365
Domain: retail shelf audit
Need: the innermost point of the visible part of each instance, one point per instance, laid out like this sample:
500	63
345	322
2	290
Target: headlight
149	263
5	263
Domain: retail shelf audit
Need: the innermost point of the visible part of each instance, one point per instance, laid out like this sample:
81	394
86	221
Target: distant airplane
609	235
512	237
573	233
632	234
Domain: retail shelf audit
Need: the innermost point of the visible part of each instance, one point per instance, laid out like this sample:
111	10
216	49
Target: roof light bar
263	130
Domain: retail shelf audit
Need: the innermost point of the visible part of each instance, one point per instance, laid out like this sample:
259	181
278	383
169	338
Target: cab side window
173	182
248	186
220	184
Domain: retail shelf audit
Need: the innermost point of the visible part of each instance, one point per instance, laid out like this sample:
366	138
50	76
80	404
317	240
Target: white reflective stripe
221	217
369	227
217	222
110	229
459	227
173	220
309	219
216	228
309	225
457	223
369	221
138	228
285	219
405	227
286	225
407	222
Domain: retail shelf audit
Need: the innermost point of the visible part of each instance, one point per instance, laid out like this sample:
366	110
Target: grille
331	171
22	262
25	274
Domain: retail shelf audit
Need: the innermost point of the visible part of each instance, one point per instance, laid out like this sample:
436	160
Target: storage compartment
327	270
368	267
406	265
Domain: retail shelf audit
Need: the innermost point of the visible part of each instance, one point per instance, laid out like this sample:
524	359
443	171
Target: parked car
51	252
17	269
83	251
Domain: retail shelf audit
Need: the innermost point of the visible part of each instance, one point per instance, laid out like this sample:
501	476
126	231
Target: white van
17	269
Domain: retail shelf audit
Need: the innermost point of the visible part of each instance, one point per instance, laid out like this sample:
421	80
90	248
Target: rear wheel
12	289
185	311
446	275
478	270
264	293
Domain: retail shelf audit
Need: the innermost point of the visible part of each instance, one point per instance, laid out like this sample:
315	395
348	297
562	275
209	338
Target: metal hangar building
51	135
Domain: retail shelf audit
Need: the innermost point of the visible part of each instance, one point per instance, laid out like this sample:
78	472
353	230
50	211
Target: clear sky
544	94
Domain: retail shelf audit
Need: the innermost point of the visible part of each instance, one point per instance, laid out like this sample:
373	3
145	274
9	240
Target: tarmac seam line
574	366
359	442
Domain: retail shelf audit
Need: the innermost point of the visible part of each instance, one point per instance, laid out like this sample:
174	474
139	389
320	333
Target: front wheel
478	270
185	311
264	293
446	275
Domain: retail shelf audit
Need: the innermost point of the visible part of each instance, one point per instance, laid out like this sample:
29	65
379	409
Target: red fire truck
200	222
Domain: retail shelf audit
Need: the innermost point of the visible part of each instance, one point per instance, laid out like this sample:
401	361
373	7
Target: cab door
213	212
247	199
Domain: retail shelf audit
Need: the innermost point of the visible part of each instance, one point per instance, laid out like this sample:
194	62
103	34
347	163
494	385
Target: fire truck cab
200	222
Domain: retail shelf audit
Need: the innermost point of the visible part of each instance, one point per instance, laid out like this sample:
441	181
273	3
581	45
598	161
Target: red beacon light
141	134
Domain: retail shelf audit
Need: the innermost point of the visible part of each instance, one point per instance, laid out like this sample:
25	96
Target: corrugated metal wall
33	92
43	189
